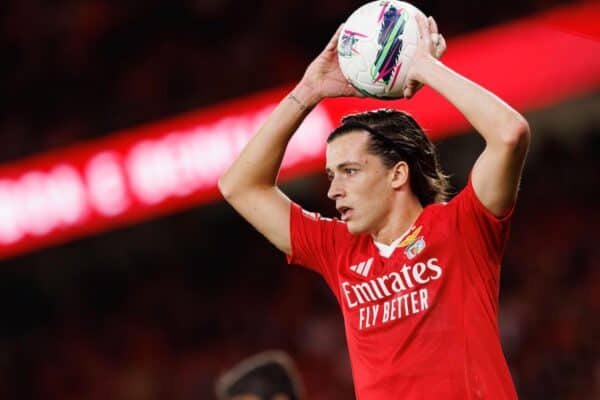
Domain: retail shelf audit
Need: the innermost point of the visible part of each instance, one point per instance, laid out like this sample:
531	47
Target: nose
335	190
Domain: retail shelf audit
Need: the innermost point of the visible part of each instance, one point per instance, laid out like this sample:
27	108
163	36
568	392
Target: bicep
268	211
497	173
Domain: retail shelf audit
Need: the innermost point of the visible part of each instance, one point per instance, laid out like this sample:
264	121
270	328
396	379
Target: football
376	45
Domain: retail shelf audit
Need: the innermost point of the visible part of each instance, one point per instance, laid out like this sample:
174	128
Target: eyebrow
343	165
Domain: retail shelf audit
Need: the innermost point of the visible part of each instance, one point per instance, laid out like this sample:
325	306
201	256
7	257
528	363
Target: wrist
424	67
306	95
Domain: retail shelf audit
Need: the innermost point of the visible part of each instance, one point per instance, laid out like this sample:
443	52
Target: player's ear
399	174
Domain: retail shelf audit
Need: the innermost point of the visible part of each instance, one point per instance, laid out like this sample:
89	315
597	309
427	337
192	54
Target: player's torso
403	314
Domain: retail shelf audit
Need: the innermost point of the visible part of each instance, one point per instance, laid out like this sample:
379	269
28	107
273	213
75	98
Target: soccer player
417	279
266	376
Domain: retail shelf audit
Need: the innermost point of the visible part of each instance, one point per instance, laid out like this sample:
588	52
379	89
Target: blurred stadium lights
174	164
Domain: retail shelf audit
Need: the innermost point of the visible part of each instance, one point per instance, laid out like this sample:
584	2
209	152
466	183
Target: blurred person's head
266	376
377	160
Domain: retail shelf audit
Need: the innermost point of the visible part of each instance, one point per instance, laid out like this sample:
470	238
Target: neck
399	219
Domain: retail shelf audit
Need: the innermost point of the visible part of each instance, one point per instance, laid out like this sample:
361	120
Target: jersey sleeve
483	235
315	241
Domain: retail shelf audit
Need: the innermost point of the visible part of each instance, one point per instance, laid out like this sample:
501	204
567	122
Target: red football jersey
421	324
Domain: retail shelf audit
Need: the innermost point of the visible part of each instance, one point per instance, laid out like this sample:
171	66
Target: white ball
376	46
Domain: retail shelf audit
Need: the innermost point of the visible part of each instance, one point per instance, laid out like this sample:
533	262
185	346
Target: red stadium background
123	274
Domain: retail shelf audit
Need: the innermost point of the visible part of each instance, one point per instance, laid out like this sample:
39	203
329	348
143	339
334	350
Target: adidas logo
362	268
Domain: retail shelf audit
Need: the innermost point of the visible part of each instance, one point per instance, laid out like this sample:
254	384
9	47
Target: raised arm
497	171
250	184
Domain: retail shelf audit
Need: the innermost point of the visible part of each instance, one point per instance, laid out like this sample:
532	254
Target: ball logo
346	48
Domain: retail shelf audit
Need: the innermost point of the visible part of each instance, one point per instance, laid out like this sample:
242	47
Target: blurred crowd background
75	69
158	310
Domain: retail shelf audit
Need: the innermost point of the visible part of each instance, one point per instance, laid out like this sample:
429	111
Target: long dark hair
395	136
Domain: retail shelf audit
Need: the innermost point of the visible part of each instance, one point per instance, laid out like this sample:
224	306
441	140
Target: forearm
496	121
259	162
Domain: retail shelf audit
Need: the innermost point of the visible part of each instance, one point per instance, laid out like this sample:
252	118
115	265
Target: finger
441	48
433	28
435	39
423	28
334	39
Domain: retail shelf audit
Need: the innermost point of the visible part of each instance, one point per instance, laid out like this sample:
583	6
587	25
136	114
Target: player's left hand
324	77
432	45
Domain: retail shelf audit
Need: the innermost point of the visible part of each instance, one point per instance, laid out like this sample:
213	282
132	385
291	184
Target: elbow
518	135
225	188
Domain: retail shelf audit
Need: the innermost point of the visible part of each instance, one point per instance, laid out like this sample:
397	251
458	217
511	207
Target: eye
329	177
350	171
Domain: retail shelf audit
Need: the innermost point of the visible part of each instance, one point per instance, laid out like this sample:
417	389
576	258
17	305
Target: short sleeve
315	241
483	234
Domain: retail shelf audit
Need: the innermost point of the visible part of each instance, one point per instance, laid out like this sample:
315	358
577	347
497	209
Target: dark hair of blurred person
266	376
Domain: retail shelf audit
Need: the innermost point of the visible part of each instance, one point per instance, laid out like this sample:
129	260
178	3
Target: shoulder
433	212
315	222
316	218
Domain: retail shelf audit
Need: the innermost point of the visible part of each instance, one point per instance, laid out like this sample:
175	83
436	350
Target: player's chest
377	291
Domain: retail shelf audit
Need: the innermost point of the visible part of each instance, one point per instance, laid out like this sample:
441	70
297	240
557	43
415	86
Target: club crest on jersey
415	248
414	244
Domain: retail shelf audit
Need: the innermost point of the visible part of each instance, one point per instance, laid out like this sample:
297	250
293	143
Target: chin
355	229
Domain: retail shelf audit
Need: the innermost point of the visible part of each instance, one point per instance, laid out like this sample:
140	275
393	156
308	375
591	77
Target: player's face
360	183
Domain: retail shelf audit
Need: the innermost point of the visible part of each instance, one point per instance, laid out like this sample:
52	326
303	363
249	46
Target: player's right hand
324	77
